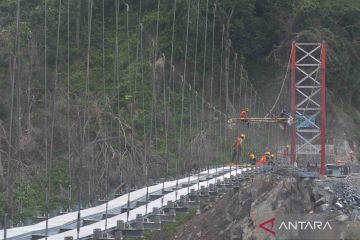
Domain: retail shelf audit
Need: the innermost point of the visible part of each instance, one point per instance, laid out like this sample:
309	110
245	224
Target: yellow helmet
242	136
287	146
267	153
251	156
272	156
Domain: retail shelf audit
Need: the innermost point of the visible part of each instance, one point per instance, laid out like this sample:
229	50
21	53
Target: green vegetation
30	202
118	118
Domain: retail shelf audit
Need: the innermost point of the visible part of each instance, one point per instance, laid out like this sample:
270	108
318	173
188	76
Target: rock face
237	215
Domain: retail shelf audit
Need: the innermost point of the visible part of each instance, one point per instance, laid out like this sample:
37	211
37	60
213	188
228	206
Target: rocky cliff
320	208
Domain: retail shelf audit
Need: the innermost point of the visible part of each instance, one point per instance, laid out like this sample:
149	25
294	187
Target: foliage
120	84
30	201
265	29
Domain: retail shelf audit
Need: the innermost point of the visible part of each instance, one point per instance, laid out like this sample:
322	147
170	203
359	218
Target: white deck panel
111	222
68	218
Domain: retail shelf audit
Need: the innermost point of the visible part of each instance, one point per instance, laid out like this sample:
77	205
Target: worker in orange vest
244	114
264	159
238	147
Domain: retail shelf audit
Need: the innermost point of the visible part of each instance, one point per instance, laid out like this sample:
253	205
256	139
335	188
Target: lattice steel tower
308	109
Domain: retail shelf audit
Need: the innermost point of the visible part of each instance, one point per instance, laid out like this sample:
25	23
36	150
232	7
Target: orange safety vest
264	159
258	164
244	114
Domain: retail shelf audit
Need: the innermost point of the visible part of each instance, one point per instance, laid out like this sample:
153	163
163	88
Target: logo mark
264	227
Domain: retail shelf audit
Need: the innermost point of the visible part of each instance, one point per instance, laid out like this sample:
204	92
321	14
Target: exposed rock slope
237	214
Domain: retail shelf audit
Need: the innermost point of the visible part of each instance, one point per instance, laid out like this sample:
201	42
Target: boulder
342	218
320	201
327	188
322	208
339	205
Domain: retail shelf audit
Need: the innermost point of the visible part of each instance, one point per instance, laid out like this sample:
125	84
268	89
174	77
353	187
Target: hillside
99	97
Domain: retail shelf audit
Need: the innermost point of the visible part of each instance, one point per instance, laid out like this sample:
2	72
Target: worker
252	158
271	159
286	151
265	158
237	147
283	122
244	115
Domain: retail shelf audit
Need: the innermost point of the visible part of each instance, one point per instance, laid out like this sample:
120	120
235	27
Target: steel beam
323	106
293	101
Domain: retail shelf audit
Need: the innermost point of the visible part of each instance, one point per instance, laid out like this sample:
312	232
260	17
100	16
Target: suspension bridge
158	87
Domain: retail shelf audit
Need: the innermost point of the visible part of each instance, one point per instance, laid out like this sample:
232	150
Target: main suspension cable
282	86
